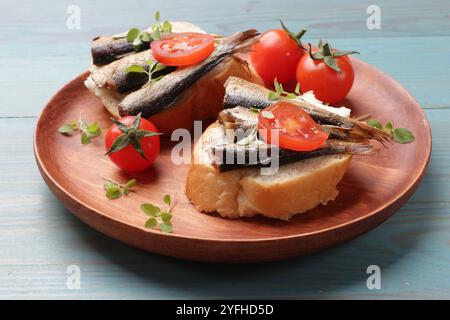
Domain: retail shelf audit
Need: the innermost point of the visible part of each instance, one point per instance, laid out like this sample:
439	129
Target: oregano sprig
115	190
140	38
400	135
280	92
130	136
88	131
153	68
326	53
159	218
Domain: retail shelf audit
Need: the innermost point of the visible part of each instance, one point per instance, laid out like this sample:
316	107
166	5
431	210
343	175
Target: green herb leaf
273	96
131	183
85	139
165	227
167	27
135	68
159	67
121	142
389	128
374	123
113	193
144	36
167	200
165	216
402	135
156	33
94	130
66	129
109	185
157	16
151	223
137	42
132	34
150	209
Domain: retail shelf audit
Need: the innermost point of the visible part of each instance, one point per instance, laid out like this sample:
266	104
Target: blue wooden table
41	48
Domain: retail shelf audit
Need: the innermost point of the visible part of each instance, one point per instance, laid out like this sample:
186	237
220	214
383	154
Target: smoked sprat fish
160	95
239	92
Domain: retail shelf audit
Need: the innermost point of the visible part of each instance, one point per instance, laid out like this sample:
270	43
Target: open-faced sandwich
308	158
187	86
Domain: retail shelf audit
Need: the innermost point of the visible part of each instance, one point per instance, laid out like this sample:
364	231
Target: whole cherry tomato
330	78
132	143
276	55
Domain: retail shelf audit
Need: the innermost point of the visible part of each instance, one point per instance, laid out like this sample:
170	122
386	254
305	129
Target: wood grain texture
39	238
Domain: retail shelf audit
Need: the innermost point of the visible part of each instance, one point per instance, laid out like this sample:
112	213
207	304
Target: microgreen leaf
402	135
150	209
165	227
374	123
115	190
167	27
144	36
160	219
66	129
151	223
85	139
87	131
273	96
135	68
157	16
113	193
131	183
132	34
165	216
167	200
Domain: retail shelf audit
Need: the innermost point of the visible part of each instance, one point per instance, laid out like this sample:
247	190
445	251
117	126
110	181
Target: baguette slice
295	188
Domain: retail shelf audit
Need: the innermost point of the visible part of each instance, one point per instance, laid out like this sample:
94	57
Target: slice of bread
295	188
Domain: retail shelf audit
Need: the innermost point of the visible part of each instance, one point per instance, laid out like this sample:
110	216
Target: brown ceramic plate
373	189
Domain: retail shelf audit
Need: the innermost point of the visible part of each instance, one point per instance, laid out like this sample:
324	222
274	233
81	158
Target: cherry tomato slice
183	49
296	129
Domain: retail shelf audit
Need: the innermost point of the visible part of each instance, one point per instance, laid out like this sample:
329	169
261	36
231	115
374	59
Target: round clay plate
373	189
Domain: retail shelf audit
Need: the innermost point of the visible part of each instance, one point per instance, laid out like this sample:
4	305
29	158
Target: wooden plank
39	239
40	54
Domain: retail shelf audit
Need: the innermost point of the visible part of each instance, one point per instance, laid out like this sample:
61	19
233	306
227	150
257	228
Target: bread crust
296	188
